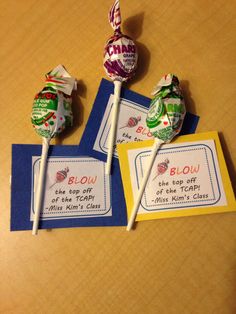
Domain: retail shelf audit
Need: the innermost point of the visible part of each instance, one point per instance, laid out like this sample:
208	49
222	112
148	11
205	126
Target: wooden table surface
182	265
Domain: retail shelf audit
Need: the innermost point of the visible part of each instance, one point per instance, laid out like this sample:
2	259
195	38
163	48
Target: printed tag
77	191
183	176
74	187
188	177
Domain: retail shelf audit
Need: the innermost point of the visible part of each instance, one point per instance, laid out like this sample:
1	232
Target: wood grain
183	265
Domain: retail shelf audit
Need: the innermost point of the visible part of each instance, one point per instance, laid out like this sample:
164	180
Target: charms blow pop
51	114
120	62
164	119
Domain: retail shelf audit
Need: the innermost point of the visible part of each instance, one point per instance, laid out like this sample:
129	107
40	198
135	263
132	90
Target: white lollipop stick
155	148
112	135
40	184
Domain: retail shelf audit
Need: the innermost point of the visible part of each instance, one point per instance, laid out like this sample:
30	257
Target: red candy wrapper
120	55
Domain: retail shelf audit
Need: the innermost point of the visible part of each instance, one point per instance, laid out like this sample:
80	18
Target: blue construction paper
21	191
106	88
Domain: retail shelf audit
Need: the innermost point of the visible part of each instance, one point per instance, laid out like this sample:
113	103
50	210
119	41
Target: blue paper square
21	187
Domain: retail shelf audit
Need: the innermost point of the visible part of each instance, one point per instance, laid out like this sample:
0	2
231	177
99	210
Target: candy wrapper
120	55
51	114
120	62
164	119
167	110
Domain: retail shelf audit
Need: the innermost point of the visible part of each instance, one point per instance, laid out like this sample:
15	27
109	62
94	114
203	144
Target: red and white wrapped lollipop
120	62
61	175
161	168
132	122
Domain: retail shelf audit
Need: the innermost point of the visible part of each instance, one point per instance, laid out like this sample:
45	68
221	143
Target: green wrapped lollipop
51	114
167	110
164	120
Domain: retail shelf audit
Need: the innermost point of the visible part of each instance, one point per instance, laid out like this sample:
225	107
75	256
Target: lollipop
120	62
132	122
161	168
164	119
51	114
61	175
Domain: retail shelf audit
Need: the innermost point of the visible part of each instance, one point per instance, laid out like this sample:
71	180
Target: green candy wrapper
167	109
51	112
164	120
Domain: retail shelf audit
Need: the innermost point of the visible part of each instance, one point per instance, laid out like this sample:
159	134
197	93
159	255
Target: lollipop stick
117	88
155	148
155	177
52	185
40	184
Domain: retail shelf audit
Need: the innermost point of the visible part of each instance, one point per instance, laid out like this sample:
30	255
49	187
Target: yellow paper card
188	177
